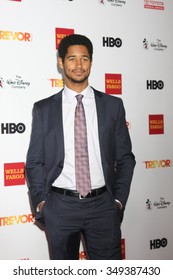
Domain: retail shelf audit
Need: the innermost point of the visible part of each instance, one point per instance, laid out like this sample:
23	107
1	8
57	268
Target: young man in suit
80	188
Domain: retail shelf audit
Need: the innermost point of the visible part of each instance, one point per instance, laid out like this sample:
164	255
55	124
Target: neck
77	87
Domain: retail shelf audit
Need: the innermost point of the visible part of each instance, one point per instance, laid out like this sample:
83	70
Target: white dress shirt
67	177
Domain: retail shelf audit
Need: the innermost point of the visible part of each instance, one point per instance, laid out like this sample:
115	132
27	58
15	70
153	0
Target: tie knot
79	97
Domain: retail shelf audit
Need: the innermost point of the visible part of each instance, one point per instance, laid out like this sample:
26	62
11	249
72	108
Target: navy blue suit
45	157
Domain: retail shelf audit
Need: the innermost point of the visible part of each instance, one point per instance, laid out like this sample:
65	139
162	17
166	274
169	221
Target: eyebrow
73	55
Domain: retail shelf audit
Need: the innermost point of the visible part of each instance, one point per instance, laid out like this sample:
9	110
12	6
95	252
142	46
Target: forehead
77	50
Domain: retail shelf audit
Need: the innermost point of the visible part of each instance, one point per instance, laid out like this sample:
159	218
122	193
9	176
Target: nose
79	63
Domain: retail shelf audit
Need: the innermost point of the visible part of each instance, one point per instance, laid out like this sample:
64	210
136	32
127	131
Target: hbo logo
157	243
152	84
111	42
11	128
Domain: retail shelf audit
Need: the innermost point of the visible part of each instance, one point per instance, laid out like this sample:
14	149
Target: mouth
78	72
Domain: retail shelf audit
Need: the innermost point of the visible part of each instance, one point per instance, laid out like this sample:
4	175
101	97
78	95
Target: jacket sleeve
125	159
35	166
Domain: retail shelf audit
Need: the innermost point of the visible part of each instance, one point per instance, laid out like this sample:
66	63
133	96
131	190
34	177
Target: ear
60	63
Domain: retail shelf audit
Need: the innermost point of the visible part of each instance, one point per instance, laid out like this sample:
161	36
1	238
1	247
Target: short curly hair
71	40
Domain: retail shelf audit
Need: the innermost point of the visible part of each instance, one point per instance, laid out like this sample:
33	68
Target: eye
85	59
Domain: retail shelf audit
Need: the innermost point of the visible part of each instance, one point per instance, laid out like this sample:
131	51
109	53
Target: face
76	65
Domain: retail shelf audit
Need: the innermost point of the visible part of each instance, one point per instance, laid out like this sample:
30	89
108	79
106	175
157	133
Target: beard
75	80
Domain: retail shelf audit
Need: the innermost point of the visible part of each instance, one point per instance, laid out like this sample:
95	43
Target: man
80	188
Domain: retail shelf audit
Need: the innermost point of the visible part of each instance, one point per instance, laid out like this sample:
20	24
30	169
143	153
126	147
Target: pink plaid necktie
83	181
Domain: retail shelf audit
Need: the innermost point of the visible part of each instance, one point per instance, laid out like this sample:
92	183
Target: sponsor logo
145	44
11	128
157	163
112	42
156	46
153	84
14	174
57	83
161	204
16	220
154	4
83	254
1	82
156	124
116	3
15	83
123	249
113	83
158	243
15	36
148	204
60	33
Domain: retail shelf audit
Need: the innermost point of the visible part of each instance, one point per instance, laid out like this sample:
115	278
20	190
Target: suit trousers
97	218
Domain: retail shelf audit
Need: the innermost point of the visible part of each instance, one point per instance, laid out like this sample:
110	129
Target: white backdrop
144	64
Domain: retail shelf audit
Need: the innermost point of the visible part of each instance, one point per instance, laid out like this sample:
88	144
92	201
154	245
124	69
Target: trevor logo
19	36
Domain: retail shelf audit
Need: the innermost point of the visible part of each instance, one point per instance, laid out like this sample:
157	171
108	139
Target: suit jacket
45	157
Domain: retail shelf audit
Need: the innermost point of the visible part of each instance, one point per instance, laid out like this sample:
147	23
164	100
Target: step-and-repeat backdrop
133	43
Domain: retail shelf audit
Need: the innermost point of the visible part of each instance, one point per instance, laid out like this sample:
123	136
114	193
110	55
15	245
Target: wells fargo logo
16	220
14	174
156	124
18	36
113	84
57	83
60	33
158	163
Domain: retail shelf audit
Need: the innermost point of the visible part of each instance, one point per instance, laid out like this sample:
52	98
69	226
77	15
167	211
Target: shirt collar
70	94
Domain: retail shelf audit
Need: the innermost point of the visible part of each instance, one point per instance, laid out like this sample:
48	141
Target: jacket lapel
101	111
